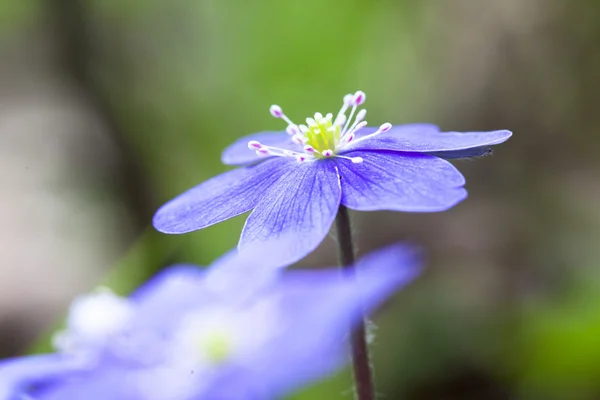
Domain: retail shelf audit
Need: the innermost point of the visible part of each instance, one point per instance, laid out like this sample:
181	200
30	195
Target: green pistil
322	137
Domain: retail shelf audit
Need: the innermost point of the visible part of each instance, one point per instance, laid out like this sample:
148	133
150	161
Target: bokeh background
109	108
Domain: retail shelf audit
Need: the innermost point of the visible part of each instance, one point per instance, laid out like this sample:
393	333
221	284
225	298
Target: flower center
322	137
216	346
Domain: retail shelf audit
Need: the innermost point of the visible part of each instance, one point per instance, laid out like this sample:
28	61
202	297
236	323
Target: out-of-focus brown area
109	108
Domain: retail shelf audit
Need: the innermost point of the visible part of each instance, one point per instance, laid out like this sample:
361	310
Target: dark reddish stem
363	375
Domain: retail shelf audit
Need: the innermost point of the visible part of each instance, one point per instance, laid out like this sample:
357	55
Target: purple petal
162	300
19	373
111	382
239	154
295	214
222	197
427	138
322	306
415	129
410	182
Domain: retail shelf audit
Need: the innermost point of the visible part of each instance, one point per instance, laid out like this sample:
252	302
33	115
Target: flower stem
363	375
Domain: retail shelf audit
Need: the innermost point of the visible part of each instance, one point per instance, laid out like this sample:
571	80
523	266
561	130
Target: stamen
320	137
358	127
309	149
383	128
348	99
266	151
341	120
349	120
263	152
359	117
292	129
359	97
311	122
355	160
254	145
298	139
277	112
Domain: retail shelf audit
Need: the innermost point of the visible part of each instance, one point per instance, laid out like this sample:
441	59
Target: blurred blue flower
211	334
311	169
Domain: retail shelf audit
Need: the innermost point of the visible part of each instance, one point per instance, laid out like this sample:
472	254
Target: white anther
263	152
383	128
254	145
276	111
355	160
292	129
311	122
300	158
329	116
361	115
350	137
299	139
304	128
327	153
358	127
318	116
359	98
348	100
309	149
341	120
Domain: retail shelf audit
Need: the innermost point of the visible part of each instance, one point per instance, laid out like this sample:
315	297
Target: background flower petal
19	373
109	382
389	180
323	306
295	214
162	300
427	138
222	197
239	154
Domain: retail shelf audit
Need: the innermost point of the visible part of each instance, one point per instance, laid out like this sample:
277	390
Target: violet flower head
297	179
192	334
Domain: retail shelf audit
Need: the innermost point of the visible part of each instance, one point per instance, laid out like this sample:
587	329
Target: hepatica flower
295	181
192	334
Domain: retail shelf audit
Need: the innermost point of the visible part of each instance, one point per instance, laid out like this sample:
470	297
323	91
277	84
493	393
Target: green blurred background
108	108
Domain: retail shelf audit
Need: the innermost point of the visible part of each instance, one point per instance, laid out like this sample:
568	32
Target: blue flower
211	334
309	170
